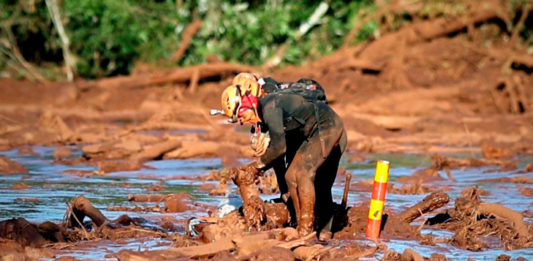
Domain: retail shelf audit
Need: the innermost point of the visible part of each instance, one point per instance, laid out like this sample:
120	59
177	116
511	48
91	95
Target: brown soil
434	86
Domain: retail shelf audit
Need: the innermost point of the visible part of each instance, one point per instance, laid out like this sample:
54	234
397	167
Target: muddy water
53	189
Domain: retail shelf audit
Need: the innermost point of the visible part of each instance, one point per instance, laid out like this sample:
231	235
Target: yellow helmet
247	83
231	101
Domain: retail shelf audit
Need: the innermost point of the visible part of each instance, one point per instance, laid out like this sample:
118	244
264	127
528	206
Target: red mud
8	166
435	85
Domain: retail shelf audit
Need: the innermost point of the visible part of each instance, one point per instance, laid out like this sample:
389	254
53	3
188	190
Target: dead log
433	201
157	150
177	75
82	207
427	30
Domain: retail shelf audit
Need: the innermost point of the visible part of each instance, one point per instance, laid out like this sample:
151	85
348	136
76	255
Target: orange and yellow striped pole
379	190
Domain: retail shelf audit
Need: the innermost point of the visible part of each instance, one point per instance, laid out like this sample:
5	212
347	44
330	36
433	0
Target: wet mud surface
446	99
147	213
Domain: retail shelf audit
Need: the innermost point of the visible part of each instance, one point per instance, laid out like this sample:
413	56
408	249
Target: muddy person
301	138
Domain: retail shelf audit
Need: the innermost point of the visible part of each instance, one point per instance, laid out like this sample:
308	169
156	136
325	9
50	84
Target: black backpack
309	89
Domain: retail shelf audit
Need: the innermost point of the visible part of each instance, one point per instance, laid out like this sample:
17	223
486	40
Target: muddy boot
325	233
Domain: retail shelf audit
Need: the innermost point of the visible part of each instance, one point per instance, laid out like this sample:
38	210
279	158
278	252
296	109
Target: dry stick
346	191
69	207
470	143
449	174
17	56
195	78
513	102
516	30
302	30
187	36
70	65
423	223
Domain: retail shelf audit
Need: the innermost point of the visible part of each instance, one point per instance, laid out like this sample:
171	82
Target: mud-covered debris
516	179
410	189
106	166
13	250
8	166
429	203
273	254
26	150
22	231
178	202
421	176
81	207
32	200
20	186
62	152
52	122
526	191
474	221
503	257
529	167
146	197
441	162
490	151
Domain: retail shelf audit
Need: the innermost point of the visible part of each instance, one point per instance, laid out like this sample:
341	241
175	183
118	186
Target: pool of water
54	189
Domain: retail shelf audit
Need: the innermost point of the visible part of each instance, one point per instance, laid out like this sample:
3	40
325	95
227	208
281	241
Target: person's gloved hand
260	143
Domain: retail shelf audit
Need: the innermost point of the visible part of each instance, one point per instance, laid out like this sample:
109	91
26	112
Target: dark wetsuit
304	155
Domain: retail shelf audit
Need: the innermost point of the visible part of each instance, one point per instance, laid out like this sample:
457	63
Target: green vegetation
108	37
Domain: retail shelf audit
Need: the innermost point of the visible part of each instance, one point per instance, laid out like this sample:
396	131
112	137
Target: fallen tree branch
177	75
433	201
187	36
157	150
518	26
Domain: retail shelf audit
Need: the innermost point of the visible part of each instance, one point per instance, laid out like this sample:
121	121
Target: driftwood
433	201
